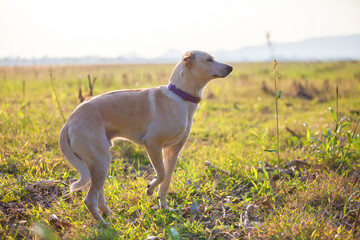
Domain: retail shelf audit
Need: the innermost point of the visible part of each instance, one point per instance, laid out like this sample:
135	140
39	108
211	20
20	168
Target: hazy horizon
109	29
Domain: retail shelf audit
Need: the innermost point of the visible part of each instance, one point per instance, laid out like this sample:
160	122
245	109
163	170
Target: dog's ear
188	58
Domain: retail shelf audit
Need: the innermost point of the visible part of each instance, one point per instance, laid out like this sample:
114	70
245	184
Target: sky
148	28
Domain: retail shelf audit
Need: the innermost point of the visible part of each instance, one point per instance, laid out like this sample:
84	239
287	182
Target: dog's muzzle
226	70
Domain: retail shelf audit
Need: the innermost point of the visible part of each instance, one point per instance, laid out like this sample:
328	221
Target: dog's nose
229	68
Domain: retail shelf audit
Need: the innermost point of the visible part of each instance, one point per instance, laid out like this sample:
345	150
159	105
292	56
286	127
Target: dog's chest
181	136
187	128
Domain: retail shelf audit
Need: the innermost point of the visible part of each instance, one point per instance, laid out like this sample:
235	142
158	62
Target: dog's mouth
224	73
221	76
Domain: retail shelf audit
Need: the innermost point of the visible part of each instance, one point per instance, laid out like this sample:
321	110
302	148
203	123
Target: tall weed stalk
56	97
277	97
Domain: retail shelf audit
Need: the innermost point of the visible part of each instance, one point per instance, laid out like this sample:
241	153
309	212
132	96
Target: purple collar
182	94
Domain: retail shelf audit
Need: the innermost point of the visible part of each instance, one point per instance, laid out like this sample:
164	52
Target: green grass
235	123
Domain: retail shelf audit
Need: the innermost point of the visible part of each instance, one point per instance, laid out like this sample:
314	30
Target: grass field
225	186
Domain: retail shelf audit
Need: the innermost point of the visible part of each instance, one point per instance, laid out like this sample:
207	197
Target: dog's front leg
154	152
171	155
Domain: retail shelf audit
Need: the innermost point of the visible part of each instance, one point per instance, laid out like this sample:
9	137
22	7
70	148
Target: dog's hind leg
98	172
102	204
97	157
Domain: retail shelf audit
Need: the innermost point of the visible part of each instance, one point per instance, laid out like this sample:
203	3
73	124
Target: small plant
277	97
91	88
333	144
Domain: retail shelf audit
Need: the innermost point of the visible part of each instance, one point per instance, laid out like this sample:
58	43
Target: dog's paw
149	192
108	213
105	210
106	225
164	206
150	187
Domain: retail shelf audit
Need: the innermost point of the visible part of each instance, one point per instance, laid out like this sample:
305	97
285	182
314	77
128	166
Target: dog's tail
74	160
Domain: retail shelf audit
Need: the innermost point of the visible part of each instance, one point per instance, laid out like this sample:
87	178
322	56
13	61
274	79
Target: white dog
158	118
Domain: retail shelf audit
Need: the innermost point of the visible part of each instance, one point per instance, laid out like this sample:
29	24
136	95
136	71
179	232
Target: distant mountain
340	48
316	49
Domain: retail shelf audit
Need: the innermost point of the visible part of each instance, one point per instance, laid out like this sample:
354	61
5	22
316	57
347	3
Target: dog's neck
184	95
184	80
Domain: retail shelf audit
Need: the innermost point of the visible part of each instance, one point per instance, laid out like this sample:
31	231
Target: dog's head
203	66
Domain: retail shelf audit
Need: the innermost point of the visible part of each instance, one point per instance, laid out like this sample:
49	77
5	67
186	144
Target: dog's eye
210	60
